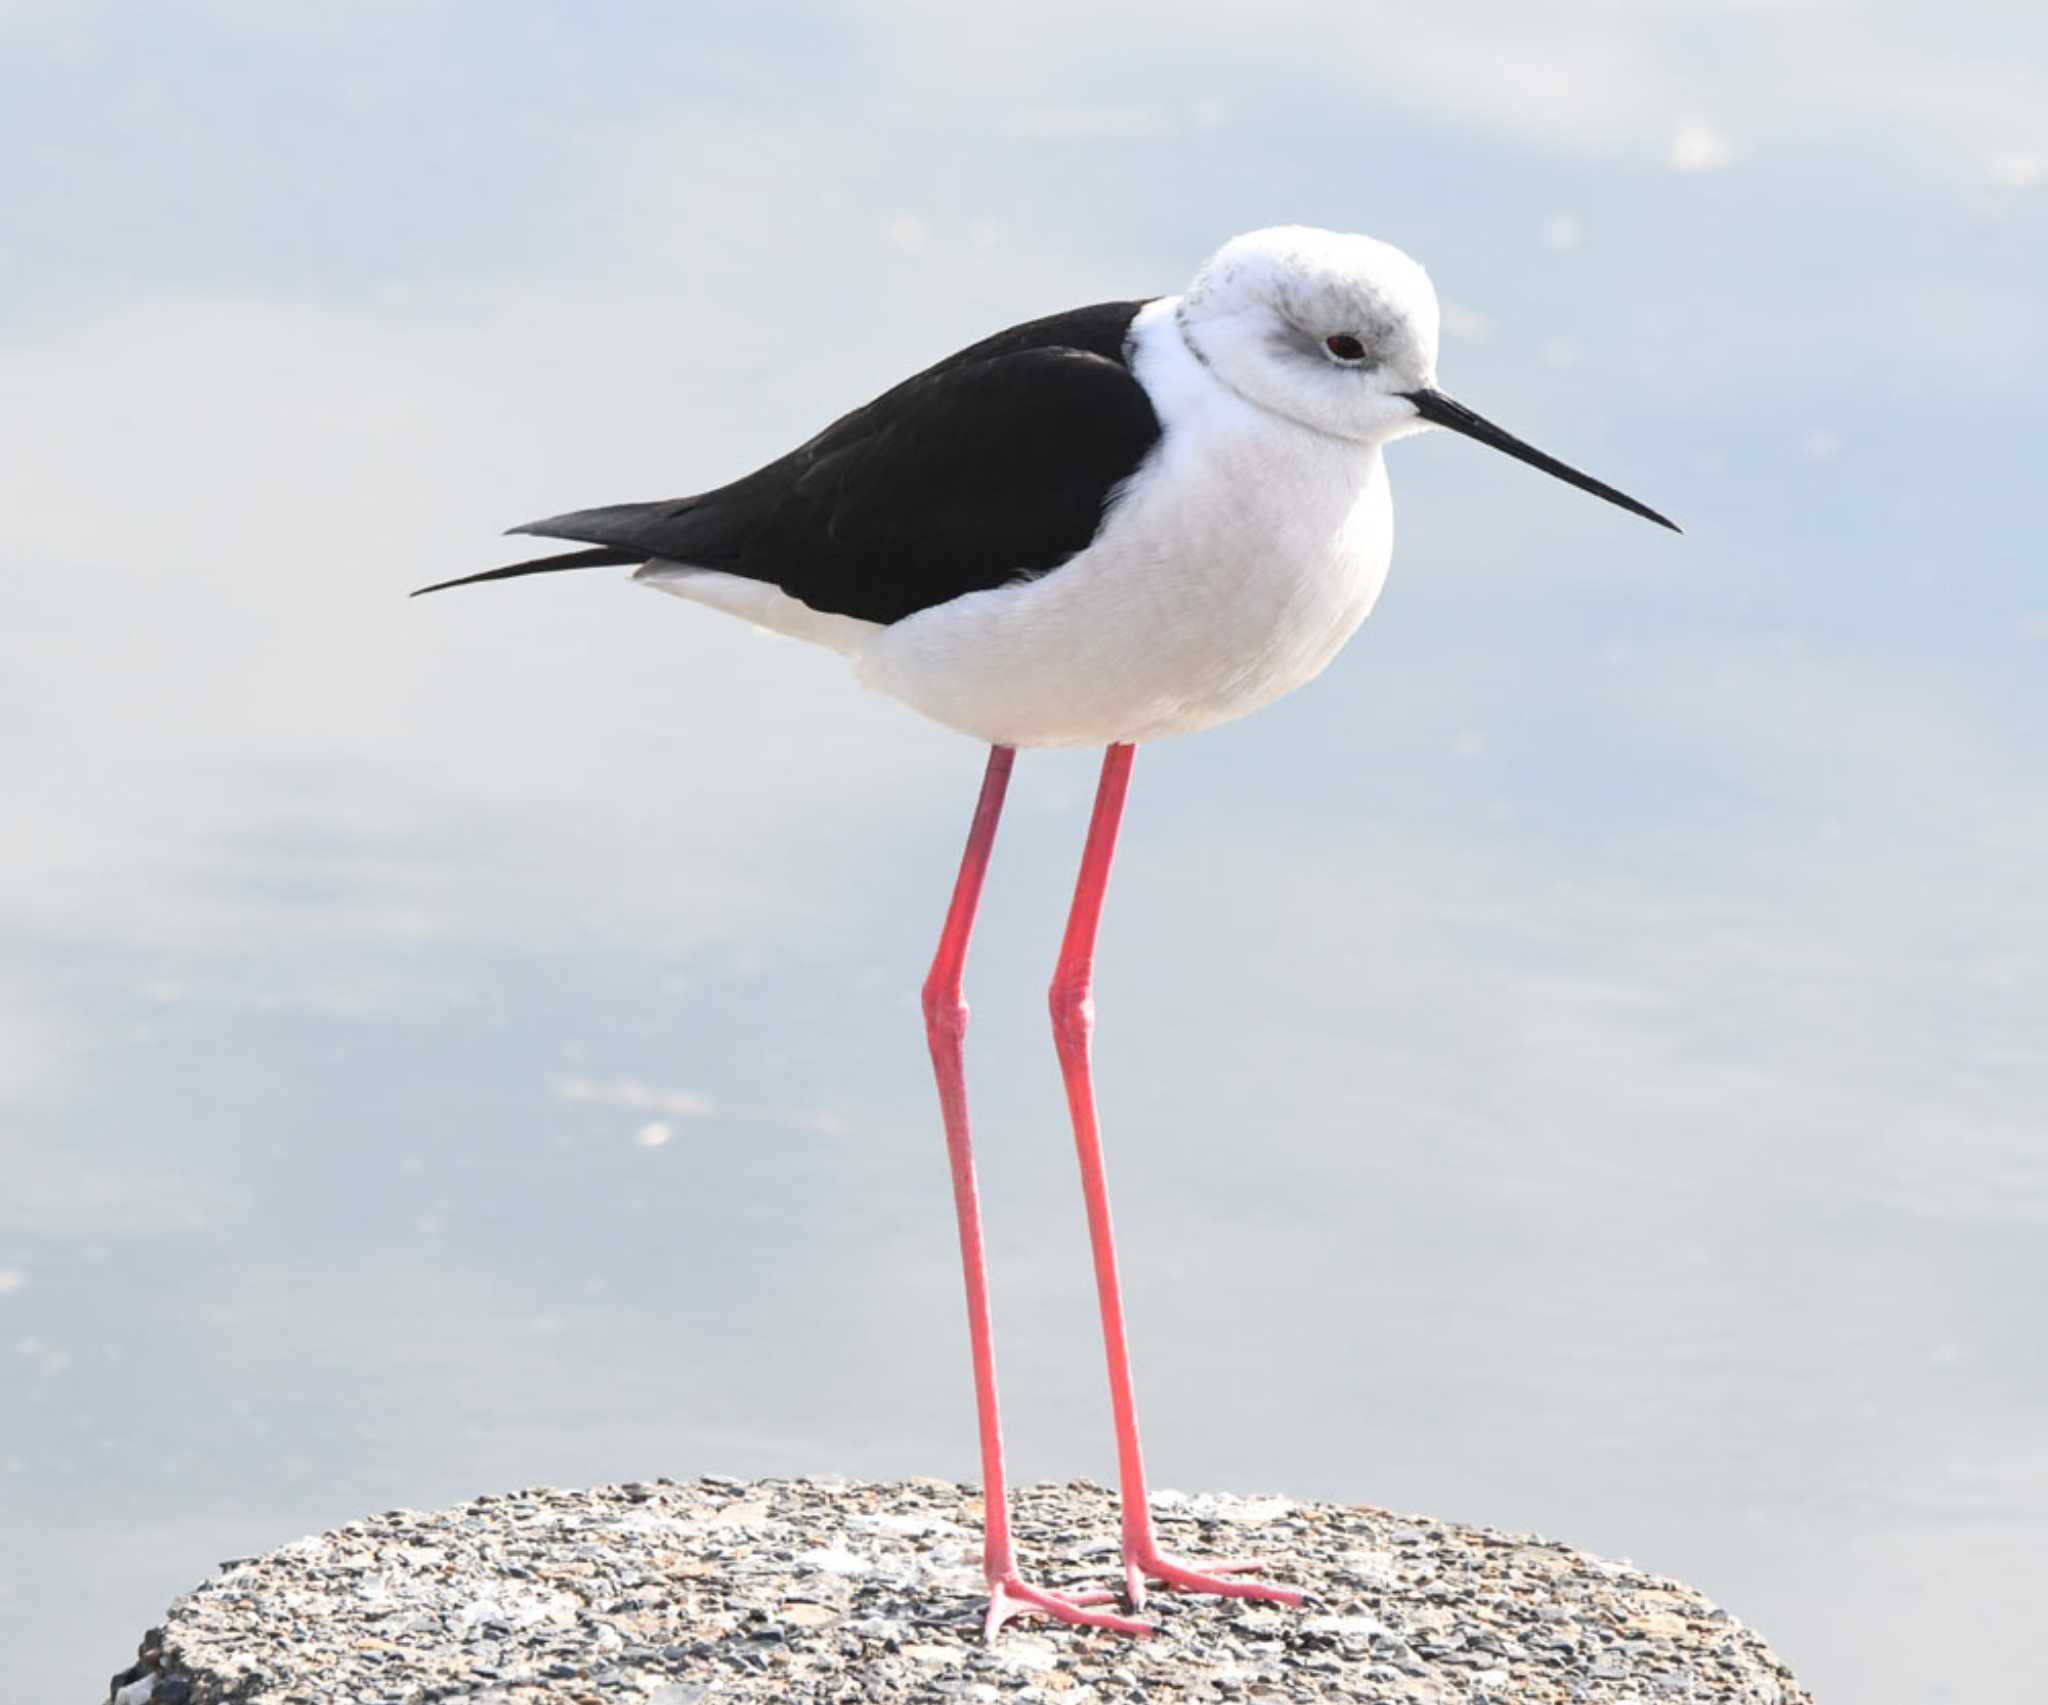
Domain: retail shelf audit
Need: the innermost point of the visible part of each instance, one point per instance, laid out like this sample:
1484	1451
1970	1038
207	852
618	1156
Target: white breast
1232	568
1235	565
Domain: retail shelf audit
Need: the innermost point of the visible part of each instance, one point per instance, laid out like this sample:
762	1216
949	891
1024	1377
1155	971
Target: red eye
1345	347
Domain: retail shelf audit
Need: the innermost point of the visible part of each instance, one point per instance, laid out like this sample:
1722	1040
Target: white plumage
1129	520
1230	568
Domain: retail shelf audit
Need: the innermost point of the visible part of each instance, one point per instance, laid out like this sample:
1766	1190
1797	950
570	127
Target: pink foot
1153	1565
1010	1595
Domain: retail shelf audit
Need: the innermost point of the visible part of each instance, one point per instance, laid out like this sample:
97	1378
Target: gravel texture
722	1591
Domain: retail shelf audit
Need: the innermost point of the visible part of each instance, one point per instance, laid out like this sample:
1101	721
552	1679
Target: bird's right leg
945	1020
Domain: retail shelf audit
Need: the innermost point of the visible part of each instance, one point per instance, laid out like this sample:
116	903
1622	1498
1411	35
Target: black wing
995	464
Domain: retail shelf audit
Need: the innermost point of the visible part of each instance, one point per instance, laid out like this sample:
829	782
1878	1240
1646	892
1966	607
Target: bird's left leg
1073	1023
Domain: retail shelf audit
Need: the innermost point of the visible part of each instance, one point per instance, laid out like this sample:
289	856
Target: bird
1112	524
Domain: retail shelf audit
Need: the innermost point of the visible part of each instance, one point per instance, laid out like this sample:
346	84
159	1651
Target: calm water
1578	1066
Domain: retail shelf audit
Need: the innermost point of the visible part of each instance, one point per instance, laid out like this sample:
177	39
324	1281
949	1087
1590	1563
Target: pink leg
945	1018
1073	1022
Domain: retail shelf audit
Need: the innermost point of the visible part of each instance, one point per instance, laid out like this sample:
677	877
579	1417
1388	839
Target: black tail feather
603	557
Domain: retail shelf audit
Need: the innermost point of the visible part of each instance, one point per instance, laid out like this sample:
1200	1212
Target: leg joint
1072	1000
945	1007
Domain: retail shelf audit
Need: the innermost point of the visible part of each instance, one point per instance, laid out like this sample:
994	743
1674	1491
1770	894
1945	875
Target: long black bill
1436	407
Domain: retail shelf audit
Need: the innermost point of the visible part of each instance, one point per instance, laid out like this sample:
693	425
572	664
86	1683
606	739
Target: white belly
1240	559
1235	567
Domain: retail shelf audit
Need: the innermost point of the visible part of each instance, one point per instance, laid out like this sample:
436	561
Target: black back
995	464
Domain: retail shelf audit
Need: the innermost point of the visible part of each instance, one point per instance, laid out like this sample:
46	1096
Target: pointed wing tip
601	556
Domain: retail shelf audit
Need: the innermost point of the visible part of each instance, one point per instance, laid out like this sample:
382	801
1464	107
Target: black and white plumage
1121	522
1111	524
994	463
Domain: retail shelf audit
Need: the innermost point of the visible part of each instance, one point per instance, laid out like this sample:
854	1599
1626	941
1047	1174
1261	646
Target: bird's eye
1344	347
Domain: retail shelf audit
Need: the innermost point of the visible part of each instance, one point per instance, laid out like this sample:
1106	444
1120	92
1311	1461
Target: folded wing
996	464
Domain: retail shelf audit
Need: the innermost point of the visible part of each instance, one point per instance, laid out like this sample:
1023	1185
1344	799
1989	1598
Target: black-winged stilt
1116	523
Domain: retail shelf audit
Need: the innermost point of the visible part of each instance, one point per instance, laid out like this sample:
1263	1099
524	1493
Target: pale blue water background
1596	1031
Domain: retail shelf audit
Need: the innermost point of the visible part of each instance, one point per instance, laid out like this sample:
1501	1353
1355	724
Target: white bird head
1339	333
1327	329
